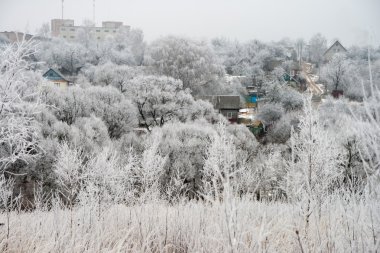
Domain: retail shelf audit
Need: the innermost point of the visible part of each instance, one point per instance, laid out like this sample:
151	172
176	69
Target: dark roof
54	75
334	44
223	101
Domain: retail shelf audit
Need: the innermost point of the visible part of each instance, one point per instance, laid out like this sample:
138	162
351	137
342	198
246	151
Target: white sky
351	21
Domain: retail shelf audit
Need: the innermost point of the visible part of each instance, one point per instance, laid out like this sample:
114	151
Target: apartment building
65	28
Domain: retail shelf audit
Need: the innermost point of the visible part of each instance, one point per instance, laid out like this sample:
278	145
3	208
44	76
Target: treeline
136	106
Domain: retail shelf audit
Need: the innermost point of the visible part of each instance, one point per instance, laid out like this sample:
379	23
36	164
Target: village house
56	78
334	49
227	105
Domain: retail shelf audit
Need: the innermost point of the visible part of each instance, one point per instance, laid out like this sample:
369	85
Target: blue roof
54	75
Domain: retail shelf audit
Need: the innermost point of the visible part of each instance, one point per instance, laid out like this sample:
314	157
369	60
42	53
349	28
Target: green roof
54	75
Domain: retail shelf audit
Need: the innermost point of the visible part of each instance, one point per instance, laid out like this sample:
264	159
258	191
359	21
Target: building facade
66	29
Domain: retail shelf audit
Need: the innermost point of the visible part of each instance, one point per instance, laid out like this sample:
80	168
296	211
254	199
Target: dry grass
238	226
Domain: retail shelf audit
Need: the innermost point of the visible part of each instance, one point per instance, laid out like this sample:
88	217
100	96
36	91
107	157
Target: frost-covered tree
19	104
244	141
44	30
369	137
125	48
225	50
270	113
300	48
337	72
137	45
104	74
67	105
290	99
317	47
92	134
122	74
68	170
280	133
248	60
150	170
106	181
221	168
160	99
314	168
118	112
69	57
112	74
86	36
107	103
185	146
190	61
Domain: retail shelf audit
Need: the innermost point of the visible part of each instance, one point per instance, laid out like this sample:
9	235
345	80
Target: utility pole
62	9
93	11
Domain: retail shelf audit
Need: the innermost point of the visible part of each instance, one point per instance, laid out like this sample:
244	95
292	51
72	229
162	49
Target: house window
72	37
64	36
57	84
230	115
63	29
106	31
98	31
114	31
98	38
72	29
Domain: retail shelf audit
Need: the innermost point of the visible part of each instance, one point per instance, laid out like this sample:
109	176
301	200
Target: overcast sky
351	21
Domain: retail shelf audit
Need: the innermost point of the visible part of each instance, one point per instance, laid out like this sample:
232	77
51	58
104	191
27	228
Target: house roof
223	101
336	43
54	75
